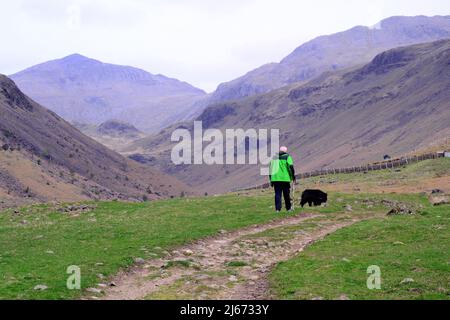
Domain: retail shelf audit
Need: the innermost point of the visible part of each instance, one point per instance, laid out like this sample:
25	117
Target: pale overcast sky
203	42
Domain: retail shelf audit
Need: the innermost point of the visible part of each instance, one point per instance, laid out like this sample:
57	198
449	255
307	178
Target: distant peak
76	57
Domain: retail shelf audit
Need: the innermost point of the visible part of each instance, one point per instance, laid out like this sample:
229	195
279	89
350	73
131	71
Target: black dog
313	197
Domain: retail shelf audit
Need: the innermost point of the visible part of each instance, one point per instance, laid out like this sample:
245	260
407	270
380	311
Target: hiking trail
228	266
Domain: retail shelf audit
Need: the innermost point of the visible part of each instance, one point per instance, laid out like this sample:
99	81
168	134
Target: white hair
283	149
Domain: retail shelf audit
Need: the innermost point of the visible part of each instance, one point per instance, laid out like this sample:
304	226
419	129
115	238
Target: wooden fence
389	164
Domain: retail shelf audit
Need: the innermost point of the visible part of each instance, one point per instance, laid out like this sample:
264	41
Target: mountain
42	158
334	52
88	91
114	134
398	102
118	128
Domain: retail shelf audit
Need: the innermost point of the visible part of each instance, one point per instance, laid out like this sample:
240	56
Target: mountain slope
89	91
398	102
45	158
334	52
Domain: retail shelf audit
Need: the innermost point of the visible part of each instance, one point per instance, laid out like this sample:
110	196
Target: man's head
284	149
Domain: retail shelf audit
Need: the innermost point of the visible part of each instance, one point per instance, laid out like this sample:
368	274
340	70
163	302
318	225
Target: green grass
403	247
179	263
108	238
112	235
416	171
237	264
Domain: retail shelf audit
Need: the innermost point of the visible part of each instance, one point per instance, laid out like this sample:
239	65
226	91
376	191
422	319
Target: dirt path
229	266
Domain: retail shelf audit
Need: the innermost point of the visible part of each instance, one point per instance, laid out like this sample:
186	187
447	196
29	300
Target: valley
397	103
121	184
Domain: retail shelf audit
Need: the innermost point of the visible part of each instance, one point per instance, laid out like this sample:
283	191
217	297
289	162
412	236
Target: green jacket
282	168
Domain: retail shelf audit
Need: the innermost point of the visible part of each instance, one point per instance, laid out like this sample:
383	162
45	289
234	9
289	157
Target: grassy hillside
39	242
404	247
418	177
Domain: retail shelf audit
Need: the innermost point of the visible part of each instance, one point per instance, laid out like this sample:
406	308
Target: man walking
282	173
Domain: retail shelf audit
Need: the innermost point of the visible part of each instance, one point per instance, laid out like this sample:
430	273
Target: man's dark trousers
282	189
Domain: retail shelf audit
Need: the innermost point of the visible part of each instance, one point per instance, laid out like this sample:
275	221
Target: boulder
438	199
